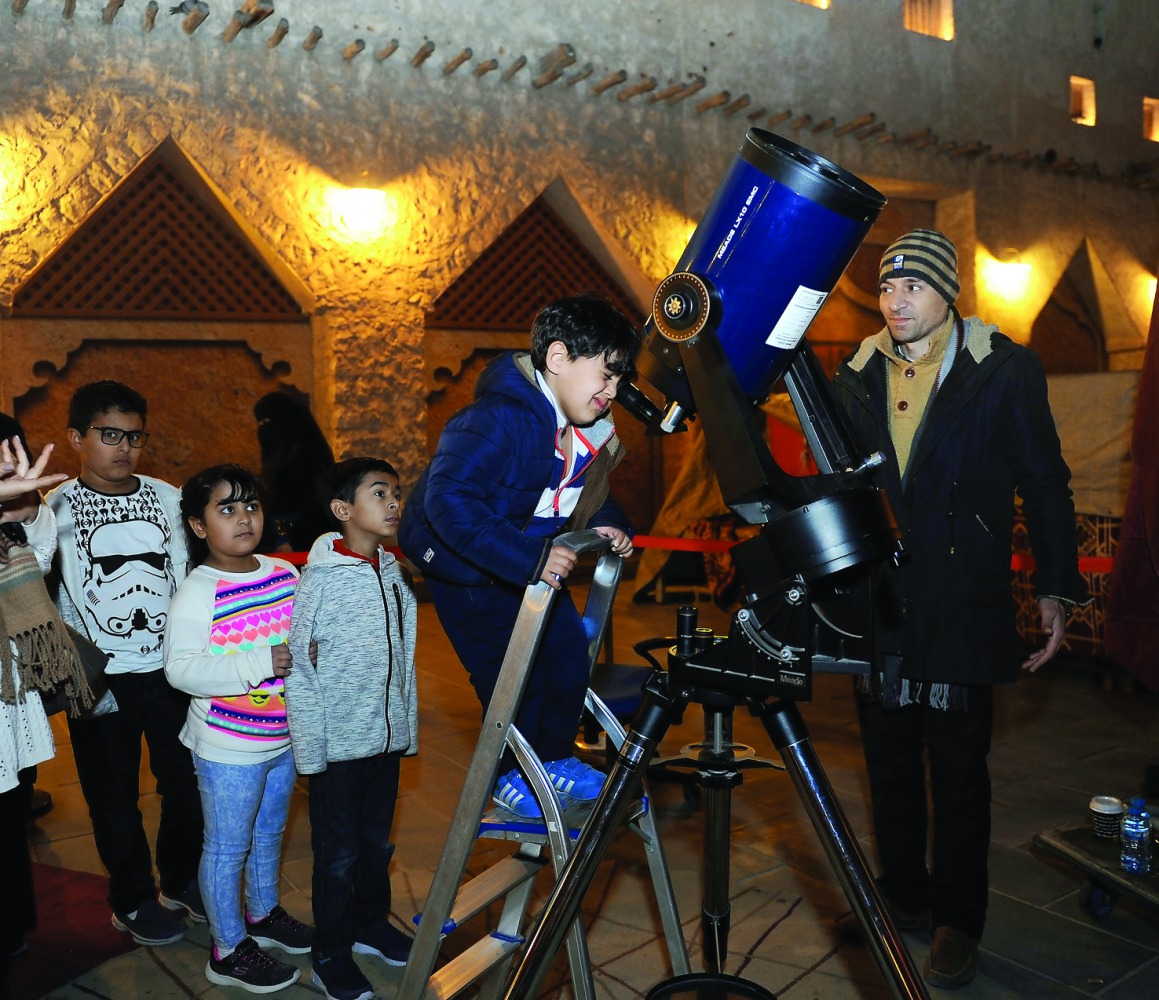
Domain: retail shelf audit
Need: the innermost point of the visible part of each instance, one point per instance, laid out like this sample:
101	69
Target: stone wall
460	154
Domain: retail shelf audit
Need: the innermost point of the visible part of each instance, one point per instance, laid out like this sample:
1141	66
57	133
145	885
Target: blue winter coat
464	521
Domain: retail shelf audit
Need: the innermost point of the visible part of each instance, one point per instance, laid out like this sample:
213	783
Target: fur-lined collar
978	342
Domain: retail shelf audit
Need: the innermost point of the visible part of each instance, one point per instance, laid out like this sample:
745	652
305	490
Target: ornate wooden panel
154	250
536	260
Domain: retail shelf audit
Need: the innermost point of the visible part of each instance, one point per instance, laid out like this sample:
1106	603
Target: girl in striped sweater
225	644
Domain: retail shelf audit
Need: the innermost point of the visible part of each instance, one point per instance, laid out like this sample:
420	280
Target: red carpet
73	933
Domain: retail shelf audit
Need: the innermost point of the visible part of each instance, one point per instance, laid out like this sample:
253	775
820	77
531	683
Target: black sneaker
386	942
279	930
250	968
186	903
341	979
151	924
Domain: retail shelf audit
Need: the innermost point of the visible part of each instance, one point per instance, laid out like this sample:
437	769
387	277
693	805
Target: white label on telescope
795	320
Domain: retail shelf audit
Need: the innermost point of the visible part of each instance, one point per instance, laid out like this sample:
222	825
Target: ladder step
489	886
466	969
499	824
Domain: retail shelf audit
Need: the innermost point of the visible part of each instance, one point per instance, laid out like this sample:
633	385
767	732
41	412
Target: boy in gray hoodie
352	718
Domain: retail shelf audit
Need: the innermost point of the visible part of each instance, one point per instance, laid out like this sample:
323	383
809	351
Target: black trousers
896	743
351	812
107	750
18	912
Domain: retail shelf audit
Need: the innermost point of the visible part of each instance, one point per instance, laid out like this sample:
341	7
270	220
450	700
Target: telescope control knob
682	306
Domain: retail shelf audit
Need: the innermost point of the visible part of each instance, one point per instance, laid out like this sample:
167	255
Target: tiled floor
1060	738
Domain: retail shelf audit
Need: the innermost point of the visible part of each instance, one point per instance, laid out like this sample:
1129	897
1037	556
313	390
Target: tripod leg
653	719
787	730
716	910
718	776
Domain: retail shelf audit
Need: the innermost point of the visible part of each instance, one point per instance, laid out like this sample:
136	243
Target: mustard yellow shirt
910	386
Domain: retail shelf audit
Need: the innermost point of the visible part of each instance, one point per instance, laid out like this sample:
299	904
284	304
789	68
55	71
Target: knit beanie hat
927	255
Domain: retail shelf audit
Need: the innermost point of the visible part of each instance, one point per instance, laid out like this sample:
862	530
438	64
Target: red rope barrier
681	544
1018	561
1087	564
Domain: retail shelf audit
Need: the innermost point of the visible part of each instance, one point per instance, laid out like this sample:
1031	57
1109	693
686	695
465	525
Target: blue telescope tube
783	225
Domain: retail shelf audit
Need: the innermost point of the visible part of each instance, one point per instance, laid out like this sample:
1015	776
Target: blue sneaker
512	794
575	779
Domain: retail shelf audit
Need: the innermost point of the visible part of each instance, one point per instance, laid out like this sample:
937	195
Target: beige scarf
45	656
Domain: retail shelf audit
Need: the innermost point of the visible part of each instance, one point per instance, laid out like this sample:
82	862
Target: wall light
359	214
1148	285
8	188
18	159
1006	276
671	230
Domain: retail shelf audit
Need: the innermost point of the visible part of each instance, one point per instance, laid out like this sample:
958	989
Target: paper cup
1106	812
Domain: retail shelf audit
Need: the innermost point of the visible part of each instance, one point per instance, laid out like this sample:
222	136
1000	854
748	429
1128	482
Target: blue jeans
245	808
351	811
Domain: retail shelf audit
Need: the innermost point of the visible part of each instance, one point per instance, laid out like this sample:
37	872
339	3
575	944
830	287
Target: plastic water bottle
1135	839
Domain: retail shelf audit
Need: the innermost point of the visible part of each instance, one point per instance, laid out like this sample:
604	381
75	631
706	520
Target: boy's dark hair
95	398
588	327
244	486
341	481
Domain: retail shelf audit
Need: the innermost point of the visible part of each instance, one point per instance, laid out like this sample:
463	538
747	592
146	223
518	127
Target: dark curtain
1132	621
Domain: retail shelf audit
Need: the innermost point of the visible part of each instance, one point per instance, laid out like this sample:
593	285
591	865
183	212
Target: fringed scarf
46	659
890	690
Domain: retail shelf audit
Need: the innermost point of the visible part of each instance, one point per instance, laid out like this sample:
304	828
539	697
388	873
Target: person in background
962	416
35	655
294	455
121	555
39	800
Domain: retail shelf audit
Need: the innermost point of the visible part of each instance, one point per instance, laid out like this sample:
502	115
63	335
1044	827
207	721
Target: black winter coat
950	612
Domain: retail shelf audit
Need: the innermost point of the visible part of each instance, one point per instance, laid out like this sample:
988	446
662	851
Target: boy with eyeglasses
121	555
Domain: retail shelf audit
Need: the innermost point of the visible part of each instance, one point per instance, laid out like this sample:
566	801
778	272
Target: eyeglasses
115	435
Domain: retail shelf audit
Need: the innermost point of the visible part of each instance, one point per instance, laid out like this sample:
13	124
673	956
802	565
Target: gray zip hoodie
360	699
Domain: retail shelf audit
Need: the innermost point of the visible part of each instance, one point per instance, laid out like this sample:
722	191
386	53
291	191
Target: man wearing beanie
961	413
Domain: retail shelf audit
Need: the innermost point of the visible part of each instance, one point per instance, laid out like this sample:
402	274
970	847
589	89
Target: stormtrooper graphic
134	585
126	574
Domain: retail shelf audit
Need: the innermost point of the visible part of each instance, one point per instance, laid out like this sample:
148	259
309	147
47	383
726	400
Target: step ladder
450	904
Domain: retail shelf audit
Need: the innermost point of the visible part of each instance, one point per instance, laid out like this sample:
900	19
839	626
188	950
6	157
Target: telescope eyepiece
633	399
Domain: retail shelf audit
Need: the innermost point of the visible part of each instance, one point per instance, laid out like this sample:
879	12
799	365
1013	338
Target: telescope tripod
718	766
665	700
